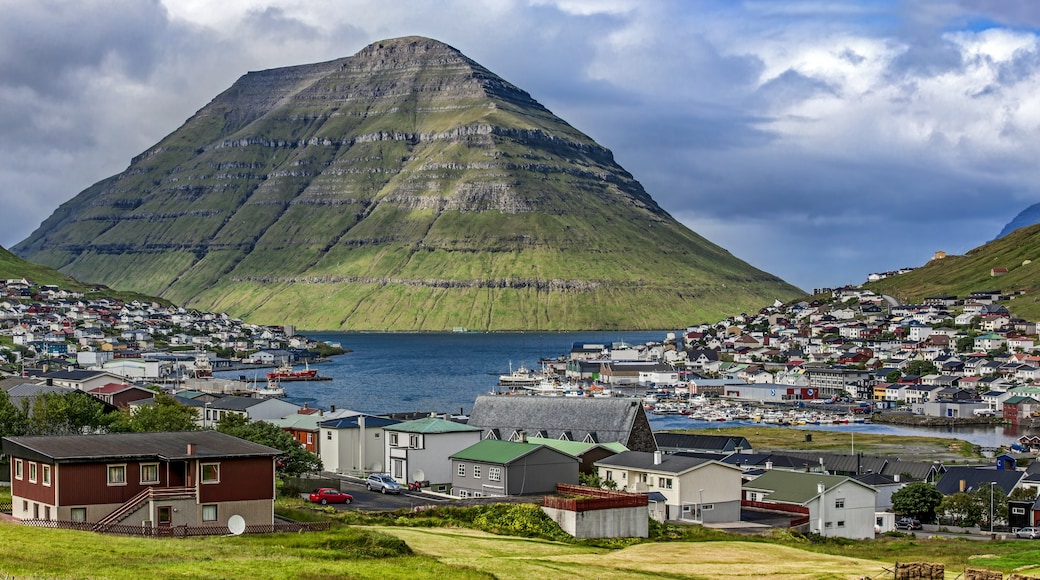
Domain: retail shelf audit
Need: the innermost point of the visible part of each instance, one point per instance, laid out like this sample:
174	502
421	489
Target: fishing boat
286	373
521	377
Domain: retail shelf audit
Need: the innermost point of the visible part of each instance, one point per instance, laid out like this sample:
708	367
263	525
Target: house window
32	472
117	474
462	470
209	513
18	469
46	512
752	496
664	482
827	525
1018	511
476	472
310	438
149	473
495	473
841	523
707	507
78	514
643	478
46	475
210	473
398	469
328	435
839	503
609	476
393	439
413	442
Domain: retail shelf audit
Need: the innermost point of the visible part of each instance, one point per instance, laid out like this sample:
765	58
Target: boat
286	373
272	390
202	369
521	377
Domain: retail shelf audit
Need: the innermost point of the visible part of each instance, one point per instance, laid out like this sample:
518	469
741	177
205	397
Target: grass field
776	439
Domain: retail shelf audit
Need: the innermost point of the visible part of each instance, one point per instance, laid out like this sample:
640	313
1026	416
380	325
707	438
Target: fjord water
444	372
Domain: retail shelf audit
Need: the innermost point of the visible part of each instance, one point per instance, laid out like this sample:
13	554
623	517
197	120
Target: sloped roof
132	446
796	487
299	422
576	448
610	419
843	462
430	425
695	442
500	452
976	476
778	461
351	422
674	464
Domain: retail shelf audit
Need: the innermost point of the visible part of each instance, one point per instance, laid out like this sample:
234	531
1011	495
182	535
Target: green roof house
829	505
493	468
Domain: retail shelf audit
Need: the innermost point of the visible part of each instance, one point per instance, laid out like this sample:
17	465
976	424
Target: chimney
896	478
658	457
332	408
522	436
191	449
769	465
963	486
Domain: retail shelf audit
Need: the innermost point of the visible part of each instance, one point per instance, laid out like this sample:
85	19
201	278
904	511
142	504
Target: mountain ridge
407	188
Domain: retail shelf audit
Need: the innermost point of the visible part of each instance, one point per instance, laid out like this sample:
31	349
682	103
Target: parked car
327	495
383	483
908	524
1030	532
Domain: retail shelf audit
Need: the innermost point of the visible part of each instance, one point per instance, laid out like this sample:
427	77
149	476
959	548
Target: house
592	420
119	395
968	478
831	505
1021	409
303	427
250	407
587	453
420	450
492	468
193	478
672	442
680	488
80	380
354	444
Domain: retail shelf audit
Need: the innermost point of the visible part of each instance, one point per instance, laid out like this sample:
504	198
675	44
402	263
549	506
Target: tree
921	368
961	509
918	500
165	415
1022	494
65	414
893	377
983	496
965	344
294	461
12	421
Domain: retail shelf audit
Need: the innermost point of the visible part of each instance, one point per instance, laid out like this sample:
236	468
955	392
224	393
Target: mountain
1018	251
403	188
13	267
1028	217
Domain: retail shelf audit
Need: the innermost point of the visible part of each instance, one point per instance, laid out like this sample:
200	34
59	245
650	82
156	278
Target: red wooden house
193	478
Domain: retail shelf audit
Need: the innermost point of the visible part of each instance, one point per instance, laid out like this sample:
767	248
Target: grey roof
694	442
844	464
601	419
777	461
977	476
131	446
645	461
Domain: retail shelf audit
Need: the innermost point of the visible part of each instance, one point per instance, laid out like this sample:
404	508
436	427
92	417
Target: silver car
383	483
1030	532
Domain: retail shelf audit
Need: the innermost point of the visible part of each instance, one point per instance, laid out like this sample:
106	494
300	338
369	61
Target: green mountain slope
1018	251
403	188
12	267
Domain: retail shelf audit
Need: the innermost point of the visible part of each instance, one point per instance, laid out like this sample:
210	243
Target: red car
327	495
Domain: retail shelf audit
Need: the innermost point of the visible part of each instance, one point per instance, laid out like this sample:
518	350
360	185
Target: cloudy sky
818	140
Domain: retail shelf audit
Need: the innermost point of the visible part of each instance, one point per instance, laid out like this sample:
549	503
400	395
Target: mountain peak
406	187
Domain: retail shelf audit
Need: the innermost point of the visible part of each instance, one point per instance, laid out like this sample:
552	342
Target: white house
680	487
834	505
420	450
354	444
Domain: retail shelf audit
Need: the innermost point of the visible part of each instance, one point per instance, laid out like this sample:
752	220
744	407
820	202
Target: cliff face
406	187
1028	217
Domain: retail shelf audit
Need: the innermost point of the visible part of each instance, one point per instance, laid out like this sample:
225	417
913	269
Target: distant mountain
13	267
1028	217
403	188
1018	252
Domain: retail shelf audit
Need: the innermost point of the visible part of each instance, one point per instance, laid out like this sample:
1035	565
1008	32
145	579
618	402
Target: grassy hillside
11	266
404	188
1019	252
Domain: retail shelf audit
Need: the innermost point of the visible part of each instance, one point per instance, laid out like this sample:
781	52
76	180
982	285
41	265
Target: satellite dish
236	525
418	475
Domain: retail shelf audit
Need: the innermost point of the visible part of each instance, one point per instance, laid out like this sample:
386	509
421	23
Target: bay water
445	372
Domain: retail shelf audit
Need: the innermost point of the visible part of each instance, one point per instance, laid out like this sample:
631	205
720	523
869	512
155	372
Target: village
948	358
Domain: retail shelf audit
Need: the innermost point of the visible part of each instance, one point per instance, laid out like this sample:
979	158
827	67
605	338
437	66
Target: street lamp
992	484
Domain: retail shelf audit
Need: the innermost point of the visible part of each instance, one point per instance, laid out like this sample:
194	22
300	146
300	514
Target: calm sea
444	372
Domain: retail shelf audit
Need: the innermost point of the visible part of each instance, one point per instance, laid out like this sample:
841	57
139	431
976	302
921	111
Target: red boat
286	373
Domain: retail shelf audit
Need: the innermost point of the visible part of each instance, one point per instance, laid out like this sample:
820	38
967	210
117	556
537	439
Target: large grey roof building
592	420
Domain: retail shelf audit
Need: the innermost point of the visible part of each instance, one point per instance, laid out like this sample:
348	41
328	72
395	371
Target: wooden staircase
146	495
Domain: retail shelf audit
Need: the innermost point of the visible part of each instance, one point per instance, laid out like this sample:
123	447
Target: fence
589	499
183	531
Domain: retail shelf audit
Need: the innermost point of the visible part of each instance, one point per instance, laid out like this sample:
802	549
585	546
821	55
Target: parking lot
375	501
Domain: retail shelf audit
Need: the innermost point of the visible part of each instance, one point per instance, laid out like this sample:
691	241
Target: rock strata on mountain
405	188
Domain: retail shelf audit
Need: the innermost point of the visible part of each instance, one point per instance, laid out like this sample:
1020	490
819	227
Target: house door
164	515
